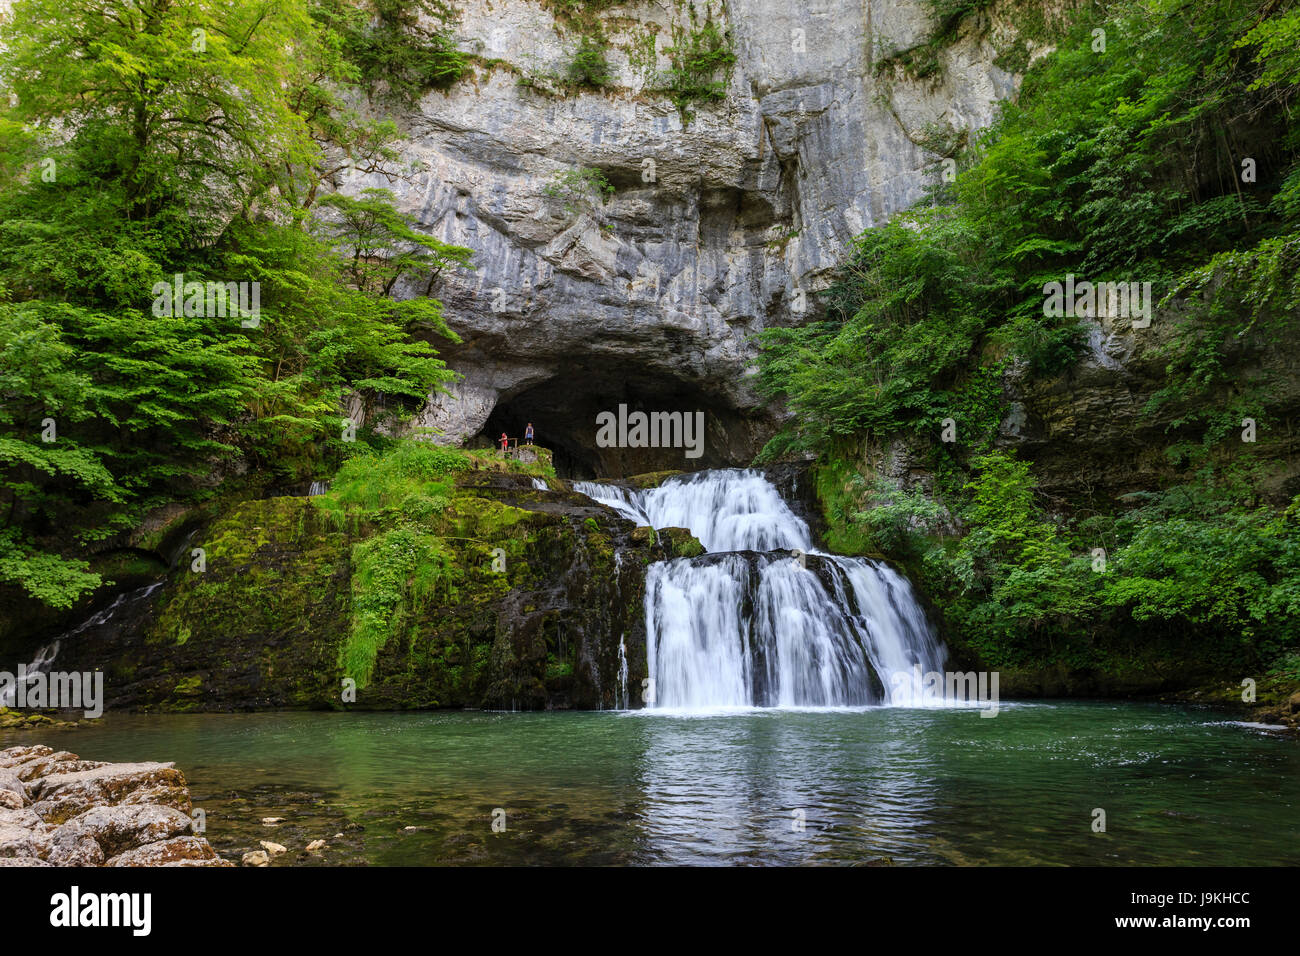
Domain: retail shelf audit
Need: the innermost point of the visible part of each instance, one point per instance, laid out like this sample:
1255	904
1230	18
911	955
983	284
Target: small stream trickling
43	659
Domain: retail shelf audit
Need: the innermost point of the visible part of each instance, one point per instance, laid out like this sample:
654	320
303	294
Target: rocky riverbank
59	810
1277	706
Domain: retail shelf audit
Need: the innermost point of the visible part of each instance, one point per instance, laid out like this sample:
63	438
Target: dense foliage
397	491
1156	144
589	67
156	145
404	45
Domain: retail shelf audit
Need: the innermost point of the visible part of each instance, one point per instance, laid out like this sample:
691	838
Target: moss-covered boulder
651	479
484	592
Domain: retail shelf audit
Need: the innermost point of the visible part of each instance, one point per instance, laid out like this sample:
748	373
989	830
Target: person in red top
505	442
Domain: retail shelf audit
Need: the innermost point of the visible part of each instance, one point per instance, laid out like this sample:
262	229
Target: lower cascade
764	620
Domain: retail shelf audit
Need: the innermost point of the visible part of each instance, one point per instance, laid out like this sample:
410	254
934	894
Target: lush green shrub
1121	165
393	573
589	66
408	477
208	165
579	189
387	42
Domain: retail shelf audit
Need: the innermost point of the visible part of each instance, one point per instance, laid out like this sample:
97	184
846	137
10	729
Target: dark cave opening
565	412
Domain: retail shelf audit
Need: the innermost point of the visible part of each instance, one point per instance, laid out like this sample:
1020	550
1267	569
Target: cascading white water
728	509
44	657
750	624
41	662
622	673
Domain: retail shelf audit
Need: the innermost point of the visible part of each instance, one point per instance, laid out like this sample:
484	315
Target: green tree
381	246
192	139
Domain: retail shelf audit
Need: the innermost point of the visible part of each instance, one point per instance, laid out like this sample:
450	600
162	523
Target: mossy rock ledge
540	591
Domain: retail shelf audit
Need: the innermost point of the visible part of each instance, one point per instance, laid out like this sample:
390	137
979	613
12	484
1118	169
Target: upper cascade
730	509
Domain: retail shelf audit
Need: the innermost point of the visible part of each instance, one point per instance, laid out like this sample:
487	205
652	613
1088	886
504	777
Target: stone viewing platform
530	454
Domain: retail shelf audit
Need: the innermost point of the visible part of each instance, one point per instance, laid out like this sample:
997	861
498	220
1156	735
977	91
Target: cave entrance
564	411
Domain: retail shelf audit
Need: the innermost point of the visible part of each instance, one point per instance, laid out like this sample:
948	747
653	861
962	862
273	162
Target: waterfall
40	664
728	510
622	702
763	620
44	656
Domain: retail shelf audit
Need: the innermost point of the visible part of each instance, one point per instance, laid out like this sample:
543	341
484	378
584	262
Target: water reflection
790	787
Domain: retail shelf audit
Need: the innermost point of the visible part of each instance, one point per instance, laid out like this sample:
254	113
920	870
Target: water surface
907	786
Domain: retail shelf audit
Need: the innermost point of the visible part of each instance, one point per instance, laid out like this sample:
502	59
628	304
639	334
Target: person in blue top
528	433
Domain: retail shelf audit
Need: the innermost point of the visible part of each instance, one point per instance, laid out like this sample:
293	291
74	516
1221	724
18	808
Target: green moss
651	479
472	516
392	574
687	546
556	669
840	490
428	588
190	686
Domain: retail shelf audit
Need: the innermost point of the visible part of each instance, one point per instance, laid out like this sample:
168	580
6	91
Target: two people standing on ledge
528	438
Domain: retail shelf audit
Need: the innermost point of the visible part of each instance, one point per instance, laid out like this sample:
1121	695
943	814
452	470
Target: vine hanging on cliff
701	58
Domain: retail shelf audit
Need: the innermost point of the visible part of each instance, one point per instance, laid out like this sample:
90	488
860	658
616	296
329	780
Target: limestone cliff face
720	224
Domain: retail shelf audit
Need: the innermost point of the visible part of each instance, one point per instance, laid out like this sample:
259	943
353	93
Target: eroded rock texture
59	810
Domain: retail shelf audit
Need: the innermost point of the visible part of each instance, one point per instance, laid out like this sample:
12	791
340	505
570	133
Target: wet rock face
59	810
718	227
795	483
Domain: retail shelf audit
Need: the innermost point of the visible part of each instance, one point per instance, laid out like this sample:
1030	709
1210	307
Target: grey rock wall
718	228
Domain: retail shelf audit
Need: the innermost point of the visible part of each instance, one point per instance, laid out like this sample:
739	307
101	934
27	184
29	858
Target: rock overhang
718	227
